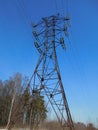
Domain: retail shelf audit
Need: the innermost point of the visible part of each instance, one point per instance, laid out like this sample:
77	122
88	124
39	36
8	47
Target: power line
74	50
25	18
21	6
56	7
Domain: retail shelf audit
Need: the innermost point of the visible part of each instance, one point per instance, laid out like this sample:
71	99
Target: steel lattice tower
50	33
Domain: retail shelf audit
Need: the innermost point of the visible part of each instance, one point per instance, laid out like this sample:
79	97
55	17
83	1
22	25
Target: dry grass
54	125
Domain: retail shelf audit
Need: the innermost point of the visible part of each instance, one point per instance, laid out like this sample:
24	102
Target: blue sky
79	67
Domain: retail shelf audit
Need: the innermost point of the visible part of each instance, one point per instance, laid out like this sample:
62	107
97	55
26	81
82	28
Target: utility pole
49	34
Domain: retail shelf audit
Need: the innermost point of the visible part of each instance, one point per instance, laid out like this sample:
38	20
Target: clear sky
79	67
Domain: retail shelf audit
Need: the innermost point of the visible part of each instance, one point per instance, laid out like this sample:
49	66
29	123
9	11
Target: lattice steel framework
50	33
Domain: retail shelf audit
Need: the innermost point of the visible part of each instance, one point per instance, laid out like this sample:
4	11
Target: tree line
26	109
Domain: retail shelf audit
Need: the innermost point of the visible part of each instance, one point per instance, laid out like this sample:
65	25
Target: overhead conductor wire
74	51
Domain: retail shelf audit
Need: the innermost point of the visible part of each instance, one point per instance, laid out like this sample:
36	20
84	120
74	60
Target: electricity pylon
50	33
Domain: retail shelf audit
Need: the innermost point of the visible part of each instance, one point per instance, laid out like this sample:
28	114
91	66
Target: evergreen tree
25	106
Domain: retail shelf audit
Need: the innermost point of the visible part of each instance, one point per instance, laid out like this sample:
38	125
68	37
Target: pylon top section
50	30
